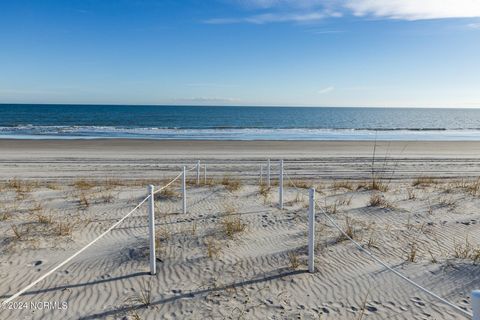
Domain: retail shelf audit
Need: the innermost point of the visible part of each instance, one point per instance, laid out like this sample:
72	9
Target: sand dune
56	207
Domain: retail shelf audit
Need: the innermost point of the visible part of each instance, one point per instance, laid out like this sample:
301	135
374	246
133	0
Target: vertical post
476	304
198	172
268	173
151	229
280	186
311	231
184	189
205	173
261	174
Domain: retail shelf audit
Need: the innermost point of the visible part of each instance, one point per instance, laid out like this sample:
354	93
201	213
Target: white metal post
151	229
268	173
184	189
205	173
476	304
311	231
261	174
198	172
280	185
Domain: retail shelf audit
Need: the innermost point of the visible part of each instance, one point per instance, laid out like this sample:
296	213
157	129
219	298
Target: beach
240	160
235	254
140	158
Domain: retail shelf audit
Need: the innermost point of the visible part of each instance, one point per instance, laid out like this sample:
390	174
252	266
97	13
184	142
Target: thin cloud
474	25
315	10
271	17
265	4
415	9
326	90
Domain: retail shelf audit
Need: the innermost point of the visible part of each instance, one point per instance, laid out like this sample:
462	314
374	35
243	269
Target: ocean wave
91	132
220	128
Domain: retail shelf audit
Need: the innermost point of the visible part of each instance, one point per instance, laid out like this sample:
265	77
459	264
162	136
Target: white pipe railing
261	174
151	214
151	229
205	173
31	285
198	172
184	190
268	173
476	304
311	231
280	186
475	295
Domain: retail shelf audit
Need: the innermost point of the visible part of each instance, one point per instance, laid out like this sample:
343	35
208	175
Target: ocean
236	123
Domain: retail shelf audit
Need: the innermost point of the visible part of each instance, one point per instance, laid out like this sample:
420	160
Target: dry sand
56	196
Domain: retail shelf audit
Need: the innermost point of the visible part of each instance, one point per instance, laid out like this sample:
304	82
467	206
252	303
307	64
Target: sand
56	196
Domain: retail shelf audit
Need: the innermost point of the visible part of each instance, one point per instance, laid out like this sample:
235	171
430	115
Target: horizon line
233	106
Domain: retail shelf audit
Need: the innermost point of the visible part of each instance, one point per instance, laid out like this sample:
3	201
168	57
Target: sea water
236	123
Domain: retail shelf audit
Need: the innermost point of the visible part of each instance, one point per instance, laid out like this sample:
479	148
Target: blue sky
233	52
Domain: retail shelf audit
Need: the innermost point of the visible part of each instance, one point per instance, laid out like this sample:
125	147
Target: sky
391	53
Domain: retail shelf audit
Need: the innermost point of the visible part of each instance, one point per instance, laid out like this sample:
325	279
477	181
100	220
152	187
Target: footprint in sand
418	302
371	308
325	310
37	263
